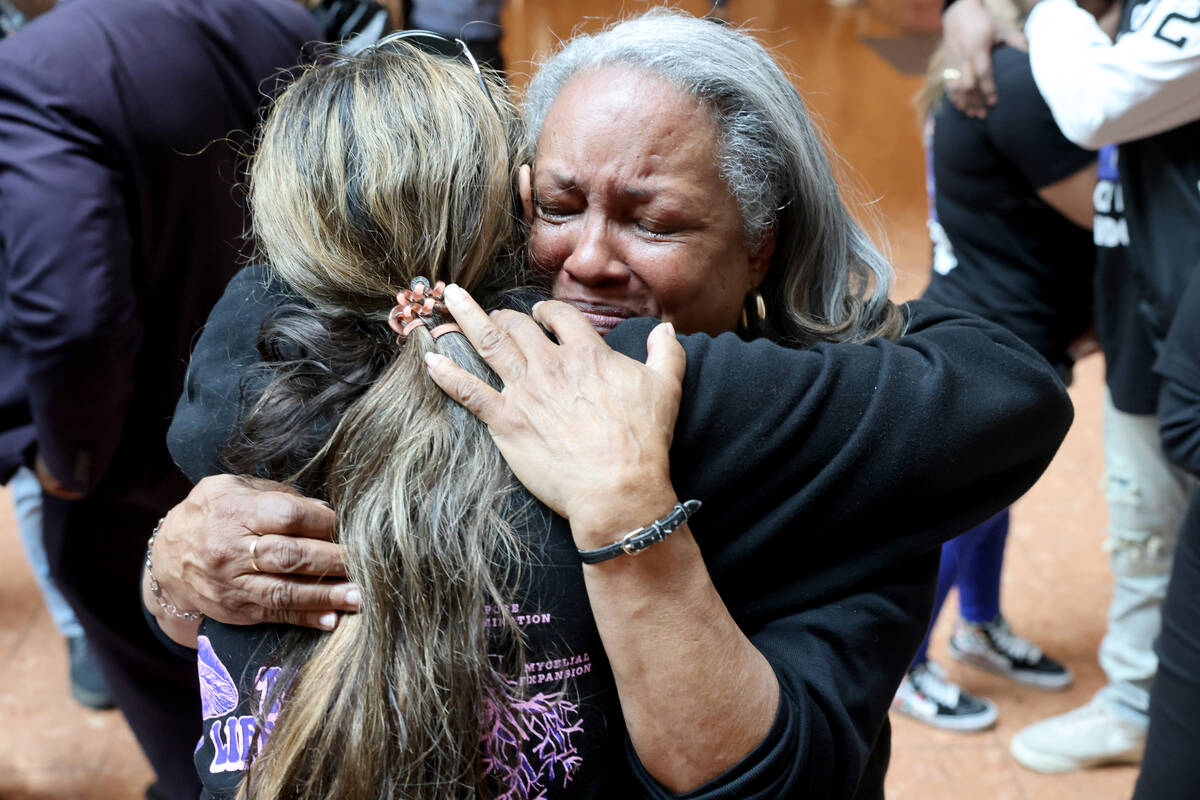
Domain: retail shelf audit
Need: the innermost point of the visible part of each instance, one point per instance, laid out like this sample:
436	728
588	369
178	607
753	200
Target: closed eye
554	209
552	213
656	230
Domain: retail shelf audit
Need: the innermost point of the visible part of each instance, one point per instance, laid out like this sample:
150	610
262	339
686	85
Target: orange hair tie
445	327
419	304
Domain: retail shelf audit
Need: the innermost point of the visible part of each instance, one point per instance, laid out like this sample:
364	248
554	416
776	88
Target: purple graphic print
1107	161
218	692
529	744
237	739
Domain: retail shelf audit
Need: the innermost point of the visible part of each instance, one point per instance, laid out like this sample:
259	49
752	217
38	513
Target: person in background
1010	202
86	683
351	25
1140	92
1170	769
477	22
119	228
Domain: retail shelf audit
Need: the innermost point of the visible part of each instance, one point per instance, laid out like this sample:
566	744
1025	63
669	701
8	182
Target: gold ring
254	544
951	74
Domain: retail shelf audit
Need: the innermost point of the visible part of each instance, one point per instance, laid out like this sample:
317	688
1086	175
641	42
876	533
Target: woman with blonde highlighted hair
370	172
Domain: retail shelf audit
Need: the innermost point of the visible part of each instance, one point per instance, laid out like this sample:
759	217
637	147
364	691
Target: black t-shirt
1000	250
830	477
1160	176
566	723
1120	323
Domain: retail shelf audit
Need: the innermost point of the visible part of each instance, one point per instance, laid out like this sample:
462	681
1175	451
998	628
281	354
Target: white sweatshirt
1104	93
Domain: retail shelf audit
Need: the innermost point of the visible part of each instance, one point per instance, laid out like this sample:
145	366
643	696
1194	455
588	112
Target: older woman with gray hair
827	280
834	439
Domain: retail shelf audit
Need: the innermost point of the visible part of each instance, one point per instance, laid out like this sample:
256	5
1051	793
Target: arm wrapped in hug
829	477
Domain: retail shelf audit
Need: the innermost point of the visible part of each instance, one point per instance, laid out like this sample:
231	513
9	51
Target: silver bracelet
157	590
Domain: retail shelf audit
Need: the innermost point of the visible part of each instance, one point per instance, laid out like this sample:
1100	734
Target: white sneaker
1091	735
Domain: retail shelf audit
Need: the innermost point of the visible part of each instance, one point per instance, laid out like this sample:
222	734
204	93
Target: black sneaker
925	694
994	647
87	684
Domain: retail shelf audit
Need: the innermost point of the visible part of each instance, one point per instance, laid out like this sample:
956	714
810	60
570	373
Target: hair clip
419	304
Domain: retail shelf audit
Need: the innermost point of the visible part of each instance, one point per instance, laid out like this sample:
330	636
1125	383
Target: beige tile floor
51	747
1055	586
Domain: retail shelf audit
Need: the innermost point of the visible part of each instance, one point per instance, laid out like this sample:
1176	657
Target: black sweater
829	476
1179	365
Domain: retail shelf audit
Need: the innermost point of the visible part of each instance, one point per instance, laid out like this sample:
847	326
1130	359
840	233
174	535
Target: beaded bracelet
157	590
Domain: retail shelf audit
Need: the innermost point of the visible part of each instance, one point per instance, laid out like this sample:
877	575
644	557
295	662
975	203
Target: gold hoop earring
760	306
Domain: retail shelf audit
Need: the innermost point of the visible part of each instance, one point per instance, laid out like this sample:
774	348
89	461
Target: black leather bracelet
635	542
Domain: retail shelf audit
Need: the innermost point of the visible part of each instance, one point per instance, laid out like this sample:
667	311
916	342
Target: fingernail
535	305
431	360
454	292
354	598
670	328
328	621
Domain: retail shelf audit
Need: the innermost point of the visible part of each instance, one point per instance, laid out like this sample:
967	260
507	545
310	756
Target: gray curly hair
828	281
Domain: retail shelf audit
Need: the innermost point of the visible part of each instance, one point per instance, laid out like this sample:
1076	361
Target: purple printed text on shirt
234	738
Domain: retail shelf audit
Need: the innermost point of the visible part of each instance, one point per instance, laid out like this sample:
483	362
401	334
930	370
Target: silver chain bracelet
157	589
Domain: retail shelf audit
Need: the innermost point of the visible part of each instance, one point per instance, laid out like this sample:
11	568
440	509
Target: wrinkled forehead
627	98
629	111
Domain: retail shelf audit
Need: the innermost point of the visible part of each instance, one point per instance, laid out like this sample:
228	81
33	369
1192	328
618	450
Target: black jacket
119	221
1179	366
1160	175
829	476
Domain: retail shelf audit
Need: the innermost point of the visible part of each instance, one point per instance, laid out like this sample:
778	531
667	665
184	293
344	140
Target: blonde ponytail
372	171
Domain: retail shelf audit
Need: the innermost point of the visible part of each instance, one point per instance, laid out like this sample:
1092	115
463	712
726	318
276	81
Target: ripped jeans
1147	498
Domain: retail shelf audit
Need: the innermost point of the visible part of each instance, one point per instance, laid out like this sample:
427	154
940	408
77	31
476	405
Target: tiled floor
1056	584
51	747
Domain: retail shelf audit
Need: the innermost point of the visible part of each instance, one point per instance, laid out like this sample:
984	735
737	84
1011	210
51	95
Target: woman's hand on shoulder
243	550
584	428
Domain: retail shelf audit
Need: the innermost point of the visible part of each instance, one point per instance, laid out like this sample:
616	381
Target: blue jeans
972	561
27	502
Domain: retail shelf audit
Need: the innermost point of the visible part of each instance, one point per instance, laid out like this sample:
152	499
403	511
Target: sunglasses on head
438	45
